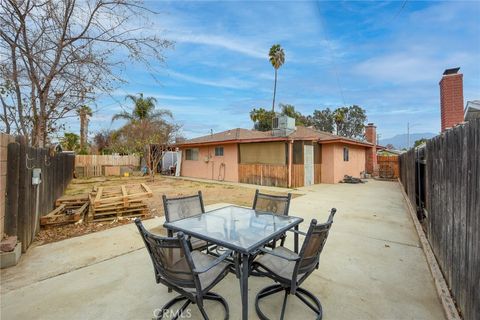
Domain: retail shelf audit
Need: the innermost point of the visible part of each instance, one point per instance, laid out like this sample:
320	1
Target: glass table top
237	228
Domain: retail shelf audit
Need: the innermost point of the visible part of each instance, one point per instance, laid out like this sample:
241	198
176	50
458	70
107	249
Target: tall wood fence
103	165
106	160
5	139
443	181
22	198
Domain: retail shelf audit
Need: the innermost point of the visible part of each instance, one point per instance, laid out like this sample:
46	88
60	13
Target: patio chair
184	207
192	274
272	203
290	270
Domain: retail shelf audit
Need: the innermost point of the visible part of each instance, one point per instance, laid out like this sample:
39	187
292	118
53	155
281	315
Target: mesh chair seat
185	207
192	274
202	260
279	205
289	270
198	243
280	267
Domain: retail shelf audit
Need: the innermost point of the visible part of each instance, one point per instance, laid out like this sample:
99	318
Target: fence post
13	167
22	192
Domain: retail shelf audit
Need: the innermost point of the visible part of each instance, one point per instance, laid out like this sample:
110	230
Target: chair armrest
298	232
278	255
214	263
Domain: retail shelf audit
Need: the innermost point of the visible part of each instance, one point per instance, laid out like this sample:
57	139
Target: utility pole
408	135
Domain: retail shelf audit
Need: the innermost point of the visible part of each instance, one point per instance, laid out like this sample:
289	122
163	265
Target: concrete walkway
372	268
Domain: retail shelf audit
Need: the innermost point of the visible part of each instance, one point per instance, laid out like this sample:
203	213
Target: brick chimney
371	155
451	98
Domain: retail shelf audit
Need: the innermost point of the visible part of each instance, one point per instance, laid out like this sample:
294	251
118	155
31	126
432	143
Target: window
345	154
297	152
218	151
191	154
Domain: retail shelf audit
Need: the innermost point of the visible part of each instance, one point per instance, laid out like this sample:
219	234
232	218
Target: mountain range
400	140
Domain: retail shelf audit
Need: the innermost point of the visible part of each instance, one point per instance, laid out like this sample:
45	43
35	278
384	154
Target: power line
401	9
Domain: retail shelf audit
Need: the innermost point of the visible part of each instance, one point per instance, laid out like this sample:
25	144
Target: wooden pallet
63	215
72	201
125	201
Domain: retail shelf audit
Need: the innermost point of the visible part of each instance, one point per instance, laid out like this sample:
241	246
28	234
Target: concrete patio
372	268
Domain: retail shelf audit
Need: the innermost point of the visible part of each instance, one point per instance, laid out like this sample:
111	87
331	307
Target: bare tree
146	138
53	53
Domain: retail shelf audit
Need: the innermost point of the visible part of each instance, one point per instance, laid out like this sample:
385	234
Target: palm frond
131	97
161	113
123	115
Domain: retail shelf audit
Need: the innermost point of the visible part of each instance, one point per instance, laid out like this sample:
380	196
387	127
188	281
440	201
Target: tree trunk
5	116
274	91
82	130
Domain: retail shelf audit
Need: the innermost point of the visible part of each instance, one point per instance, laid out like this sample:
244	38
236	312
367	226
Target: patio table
240	229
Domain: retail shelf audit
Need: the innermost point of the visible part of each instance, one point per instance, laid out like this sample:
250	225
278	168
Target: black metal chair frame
292	286
166	200
286	199
187	297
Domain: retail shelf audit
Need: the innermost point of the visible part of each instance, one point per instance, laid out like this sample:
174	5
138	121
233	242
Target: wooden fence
5	139
263	174
298	175
106	160
388	166
443	181
22	197
103	165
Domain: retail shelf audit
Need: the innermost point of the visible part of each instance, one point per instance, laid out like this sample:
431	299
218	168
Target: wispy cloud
391	67
229	82
229	43
158	96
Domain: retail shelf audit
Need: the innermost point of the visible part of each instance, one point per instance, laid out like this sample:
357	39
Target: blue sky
374	54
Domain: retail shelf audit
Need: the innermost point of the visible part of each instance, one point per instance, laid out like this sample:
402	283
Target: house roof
472	110
244	136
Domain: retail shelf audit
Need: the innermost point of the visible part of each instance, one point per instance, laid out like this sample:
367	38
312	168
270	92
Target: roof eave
345	141
209	143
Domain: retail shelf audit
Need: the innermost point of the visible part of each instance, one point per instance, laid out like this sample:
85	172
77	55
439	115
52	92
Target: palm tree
143	110
69	141
142	120
277	59
339	117
84	112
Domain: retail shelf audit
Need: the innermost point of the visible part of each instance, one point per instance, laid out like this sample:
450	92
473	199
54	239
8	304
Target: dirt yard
172	187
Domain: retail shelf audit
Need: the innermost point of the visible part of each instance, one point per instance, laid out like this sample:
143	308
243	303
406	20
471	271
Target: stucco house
288	157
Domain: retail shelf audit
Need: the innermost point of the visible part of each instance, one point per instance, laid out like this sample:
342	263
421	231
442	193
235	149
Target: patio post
290	155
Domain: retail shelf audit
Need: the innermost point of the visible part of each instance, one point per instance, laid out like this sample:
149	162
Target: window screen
345	154
191	154
263	153
297	152
218	151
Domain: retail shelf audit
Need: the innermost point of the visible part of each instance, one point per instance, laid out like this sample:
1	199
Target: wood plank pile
72	202
125	201
102	204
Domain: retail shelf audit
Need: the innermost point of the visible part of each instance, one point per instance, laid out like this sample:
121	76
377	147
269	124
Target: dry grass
171	187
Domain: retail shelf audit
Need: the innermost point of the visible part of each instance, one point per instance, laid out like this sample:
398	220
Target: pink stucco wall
333	166
213	169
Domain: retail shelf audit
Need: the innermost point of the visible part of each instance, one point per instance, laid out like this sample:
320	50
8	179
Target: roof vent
451	71
283	126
